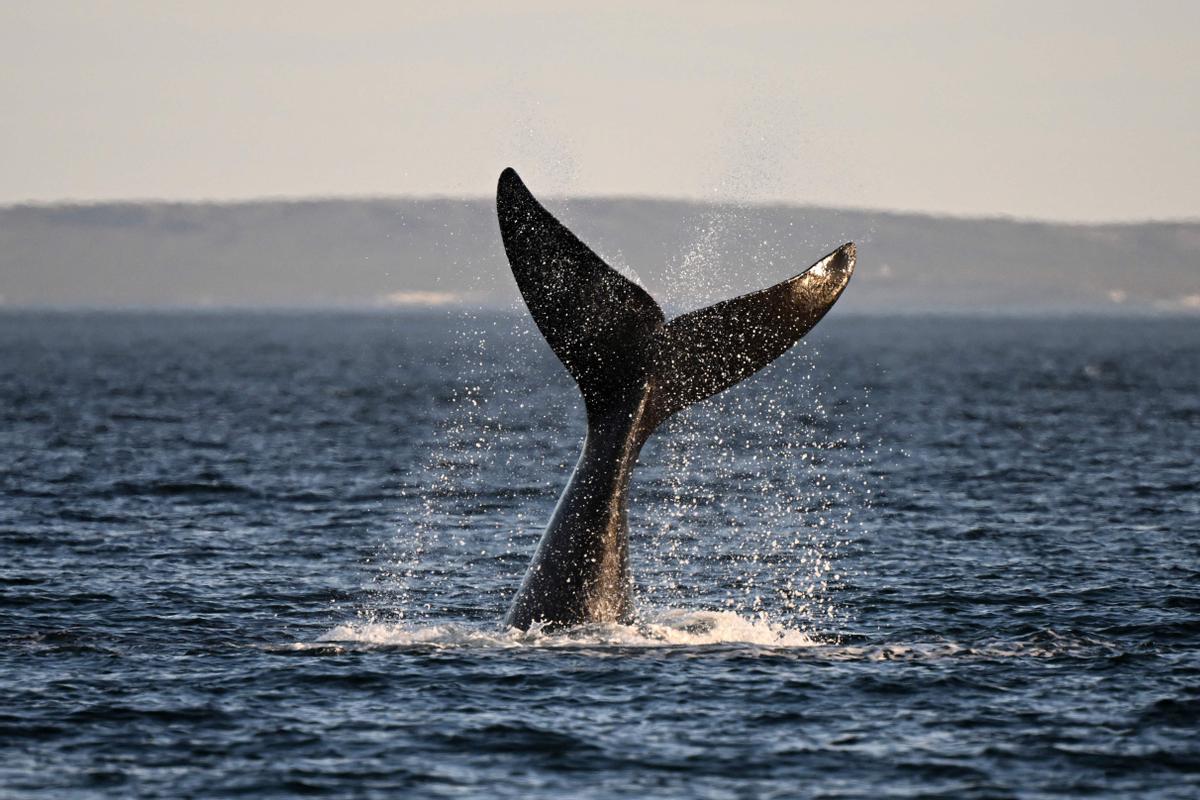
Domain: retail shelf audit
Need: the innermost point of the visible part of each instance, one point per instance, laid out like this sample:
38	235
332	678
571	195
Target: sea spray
747	481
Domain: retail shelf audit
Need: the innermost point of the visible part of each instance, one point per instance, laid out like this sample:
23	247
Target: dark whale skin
634	369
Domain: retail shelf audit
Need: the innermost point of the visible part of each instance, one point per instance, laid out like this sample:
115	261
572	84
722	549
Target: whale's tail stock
612	336
634	370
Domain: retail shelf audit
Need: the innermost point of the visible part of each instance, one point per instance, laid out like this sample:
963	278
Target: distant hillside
429	251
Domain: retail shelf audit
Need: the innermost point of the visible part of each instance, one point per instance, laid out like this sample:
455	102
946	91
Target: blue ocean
267	555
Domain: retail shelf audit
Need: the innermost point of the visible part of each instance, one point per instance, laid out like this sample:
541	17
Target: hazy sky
1067	110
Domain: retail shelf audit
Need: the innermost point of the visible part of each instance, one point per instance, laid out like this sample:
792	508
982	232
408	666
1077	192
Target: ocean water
267	555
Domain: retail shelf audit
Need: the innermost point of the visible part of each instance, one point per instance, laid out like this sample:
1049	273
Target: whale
634	369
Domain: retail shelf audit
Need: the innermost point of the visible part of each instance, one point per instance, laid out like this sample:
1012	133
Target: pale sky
1080	111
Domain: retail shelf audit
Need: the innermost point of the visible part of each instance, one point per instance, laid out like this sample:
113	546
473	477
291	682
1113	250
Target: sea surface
267	555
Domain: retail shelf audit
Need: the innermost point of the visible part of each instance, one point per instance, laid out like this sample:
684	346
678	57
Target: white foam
667	628
686	629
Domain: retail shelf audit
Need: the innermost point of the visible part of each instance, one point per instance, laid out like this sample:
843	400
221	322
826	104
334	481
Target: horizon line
1140	311
67	203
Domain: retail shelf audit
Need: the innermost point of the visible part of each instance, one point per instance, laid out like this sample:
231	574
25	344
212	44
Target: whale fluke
598	322
707	351
634	370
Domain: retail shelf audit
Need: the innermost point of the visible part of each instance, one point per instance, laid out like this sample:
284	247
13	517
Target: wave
183	488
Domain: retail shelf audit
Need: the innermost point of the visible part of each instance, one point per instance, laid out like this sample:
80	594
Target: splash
741	505
665	628
686	629
762	486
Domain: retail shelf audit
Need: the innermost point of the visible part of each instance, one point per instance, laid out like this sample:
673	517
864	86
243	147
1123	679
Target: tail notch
612	336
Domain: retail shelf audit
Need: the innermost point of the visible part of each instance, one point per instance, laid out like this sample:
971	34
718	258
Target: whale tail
612	336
